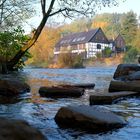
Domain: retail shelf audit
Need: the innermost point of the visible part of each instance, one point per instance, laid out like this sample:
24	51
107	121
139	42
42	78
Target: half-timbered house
87	43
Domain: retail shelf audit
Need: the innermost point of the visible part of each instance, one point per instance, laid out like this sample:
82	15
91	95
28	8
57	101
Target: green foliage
131	55
70	60
15	12
99	55
110	23
107	52
11	43
129	27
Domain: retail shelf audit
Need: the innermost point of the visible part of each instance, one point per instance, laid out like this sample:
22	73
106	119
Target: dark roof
77	38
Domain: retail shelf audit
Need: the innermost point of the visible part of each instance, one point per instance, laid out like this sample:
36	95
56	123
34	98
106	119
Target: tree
67	8
129	27
42	52
10	43
110	23
78	25
14	12
136	41
131	55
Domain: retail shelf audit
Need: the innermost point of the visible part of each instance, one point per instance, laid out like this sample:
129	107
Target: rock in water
84	86
18	130
13	87
127	78
109	98
60	92
117	85
90	118
124	70
134	76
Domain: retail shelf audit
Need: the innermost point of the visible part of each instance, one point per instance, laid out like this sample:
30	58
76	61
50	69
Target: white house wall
92	50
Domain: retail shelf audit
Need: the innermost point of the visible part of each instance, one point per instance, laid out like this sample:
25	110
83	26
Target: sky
126	6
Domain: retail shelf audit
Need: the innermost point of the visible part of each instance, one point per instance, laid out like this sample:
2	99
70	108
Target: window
98	46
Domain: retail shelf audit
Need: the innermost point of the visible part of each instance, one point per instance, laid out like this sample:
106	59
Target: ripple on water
40	112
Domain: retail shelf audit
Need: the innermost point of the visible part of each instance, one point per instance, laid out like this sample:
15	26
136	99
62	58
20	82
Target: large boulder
134	76
18	130
90	118
13	87
109	98
84	86
117	85
60	92
124	70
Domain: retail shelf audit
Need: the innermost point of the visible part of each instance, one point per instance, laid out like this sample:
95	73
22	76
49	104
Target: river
40	112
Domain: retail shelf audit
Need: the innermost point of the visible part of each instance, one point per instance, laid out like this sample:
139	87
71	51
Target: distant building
87	43
118	45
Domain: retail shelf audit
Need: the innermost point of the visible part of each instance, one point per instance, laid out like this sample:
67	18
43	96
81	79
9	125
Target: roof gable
77	38
119	37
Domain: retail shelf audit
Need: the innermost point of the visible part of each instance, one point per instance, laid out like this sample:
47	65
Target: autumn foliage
42	52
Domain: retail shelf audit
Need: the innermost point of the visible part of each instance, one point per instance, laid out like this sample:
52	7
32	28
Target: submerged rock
109	98
13	87
60	92
124	70
117	85
9	100
84	86
18	130
90	118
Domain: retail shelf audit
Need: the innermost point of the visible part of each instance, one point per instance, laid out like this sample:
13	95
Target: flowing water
40	112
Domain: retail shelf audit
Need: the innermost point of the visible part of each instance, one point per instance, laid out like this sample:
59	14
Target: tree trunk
31	42
3	68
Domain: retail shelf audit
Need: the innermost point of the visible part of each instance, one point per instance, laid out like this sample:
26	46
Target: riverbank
98	62
110	61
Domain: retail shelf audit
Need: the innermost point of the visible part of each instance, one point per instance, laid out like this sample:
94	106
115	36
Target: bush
70	60
131	55
99	55
107	52
10	43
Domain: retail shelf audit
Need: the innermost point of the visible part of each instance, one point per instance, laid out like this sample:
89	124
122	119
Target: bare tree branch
2	2
43	6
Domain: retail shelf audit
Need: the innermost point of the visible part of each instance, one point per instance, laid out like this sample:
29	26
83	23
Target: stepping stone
60	92
94	119
84	86
117	85
109	98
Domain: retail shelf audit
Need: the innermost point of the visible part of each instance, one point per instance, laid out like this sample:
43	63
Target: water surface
40	112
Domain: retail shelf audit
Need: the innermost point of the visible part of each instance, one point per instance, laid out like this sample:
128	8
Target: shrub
99	55
107	52
131	55
70	60
10	43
